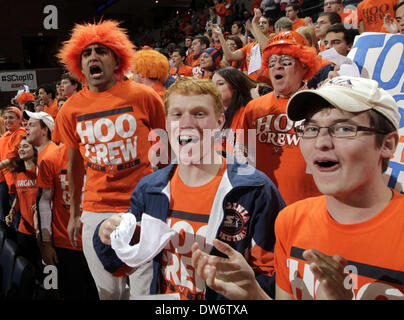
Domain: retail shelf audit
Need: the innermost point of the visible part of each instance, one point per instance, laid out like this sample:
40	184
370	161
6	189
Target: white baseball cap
45	117
352	94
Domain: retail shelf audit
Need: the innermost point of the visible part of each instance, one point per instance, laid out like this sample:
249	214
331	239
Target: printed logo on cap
287	37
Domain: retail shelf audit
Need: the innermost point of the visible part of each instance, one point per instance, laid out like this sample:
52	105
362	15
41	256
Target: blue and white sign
380	57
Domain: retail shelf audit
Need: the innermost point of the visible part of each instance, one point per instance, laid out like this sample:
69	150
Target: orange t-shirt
230	138
189	57
52	109
196	68
349	16
372	13
229	8
189	215
9	145
3	144
277	147
24	184
373	248
238	118
111	129
221	11
184	71
247	56
52	174
159	88
298	23
49	150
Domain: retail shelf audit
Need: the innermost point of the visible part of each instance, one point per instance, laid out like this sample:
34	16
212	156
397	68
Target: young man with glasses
343	244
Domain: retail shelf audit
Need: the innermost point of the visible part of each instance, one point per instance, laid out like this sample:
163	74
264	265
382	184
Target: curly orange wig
107	33
295	45
24	97
151	64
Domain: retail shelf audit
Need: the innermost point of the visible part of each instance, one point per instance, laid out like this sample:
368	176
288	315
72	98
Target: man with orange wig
23	98
287	64
151	68
105	127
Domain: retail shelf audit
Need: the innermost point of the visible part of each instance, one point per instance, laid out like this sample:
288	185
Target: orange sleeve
281	251
14	143
359	12
64	130
298	23
262	261
220	9
52	109
45	174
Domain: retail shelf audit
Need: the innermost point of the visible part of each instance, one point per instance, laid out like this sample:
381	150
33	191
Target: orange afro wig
107	33
293	44
24	97
151	64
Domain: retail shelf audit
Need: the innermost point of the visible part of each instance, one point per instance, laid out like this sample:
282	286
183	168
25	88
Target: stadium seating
22	281
7	259
3	234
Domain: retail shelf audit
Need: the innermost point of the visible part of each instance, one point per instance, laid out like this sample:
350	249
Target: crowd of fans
231	46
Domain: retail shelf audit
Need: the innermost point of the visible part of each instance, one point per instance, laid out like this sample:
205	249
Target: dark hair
72	80
30	106
62	99
203	40
332	16
349	34
241	85
49	132
181	51
18	164
48	89
381	123
239	25
237	40
295	5
398	5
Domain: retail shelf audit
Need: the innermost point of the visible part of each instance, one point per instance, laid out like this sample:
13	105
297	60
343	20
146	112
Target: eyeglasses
338	130
330	3
284	60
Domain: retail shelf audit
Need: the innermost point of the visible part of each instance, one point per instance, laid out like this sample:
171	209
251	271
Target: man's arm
45	212
258	34
75	177
230	56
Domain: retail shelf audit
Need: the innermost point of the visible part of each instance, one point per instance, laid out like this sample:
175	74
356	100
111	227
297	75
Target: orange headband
14	110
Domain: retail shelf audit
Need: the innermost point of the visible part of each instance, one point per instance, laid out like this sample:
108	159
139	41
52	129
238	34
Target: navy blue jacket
241	184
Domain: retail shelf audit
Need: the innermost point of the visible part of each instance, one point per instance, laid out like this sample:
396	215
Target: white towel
154	236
